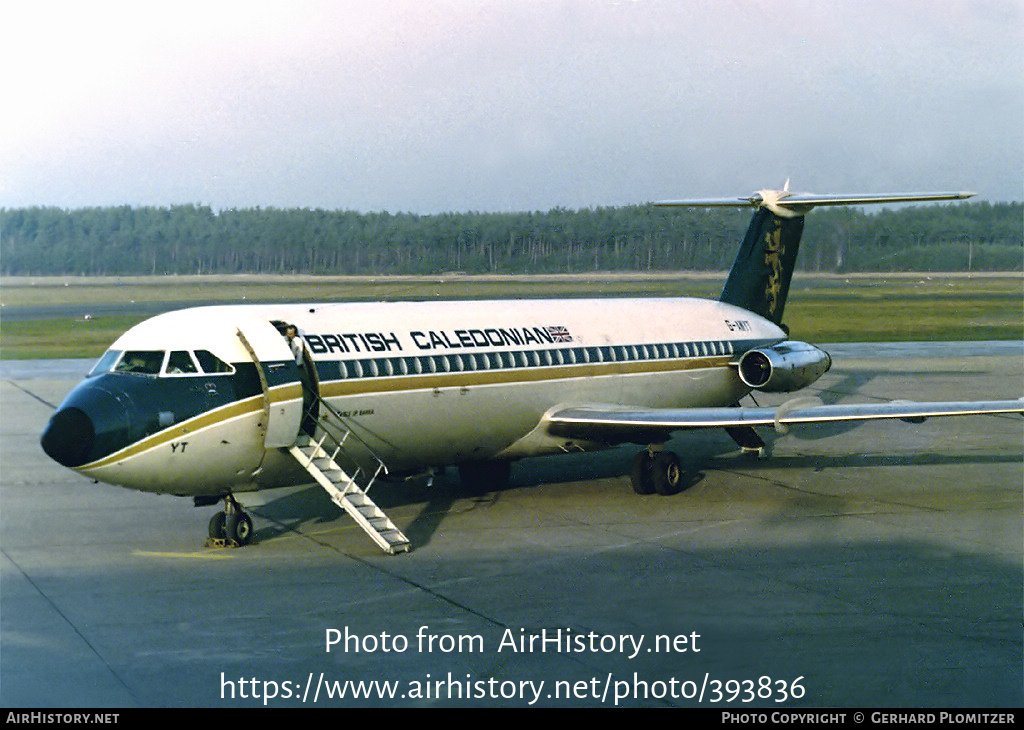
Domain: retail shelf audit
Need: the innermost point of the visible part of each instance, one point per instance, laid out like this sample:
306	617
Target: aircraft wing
621	423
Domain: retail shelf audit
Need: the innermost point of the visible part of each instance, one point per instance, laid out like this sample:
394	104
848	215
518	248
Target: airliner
214	402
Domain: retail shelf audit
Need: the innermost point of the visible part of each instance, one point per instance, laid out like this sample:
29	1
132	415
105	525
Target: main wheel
238	527
666	473
640	474
216	526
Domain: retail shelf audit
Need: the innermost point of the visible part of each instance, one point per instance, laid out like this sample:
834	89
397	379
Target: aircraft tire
238	527
666	474
216	526
640	474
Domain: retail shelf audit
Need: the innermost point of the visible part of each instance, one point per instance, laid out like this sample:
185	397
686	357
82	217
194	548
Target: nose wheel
230	528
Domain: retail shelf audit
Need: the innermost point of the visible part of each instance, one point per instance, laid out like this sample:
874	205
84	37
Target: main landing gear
232	527
656	470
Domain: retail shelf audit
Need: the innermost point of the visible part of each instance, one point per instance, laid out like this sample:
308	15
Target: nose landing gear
230	528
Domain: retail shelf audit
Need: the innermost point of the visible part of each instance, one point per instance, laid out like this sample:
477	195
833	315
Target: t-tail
759	279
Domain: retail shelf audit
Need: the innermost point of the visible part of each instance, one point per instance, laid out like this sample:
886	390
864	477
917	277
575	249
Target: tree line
195	239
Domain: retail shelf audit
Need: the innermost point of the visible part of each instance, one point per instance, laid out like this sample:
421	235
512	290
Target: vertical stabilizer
759	279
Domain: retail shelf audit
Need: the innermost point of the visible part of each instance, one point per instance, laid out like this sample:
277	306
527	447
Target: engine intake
784	367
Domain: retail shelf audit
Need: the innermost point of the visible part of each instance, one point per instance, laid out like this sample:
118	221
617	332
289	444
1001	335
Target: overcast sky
457	105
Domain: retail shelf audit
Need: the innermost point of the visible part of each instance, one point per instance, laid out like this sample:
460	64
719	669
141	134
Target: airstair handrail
332	430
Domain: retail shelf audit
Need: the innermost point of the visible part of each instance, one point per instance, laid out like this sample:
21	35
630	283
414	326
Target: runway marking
70	624
29	392
198	555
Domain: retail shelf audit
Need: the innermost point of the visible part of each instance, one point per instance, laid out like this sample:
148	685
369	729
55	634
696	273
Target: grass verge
861	308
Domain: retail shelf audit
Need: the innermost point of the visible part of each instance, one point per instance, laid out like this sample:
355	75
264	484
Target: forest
196	239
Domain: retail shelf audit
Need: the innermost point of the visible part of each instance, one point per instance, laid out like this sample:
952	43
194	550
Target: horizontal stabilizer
787	204
760	277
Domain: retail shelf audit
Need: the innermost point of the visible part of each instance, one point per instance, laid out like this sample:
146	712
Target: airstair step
347	494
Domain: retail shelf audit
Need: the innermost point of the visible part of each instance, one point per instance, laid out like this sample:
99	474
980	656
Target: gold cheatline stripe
396	383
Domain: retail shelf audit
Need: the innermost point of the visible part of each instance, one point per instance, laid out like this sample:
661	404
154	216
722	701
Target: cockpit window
180	362
141	362
106	363
211	364
151	362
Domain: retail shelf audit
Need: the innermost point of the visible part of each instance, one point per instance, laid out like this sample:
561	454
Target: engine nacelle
784	367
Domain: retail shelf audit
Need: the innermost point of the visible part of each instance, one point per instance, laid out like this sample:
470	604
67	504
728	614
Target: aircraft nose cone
92	422
69	438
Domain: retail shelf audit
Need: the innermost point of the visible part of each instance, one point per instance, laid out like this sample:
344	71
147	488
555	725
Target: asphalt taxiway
875	565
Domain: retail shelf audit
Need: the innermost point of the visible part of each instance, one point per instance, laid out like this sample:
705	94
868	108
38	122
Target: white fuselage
420	384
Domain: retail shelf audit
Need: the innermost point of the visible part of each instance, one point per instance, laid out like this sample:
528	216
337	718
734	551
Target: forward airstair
320	456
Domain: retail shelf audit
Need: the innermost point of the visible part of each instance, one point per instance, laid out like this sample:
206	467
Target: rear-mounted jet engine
784	367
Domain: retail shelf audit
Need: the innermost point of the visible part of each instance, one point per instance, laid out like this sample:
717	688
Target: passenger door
279	381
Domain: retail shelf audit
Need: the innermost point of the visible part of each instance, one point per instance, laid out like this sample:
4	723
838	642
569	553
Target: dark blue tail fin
759	279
